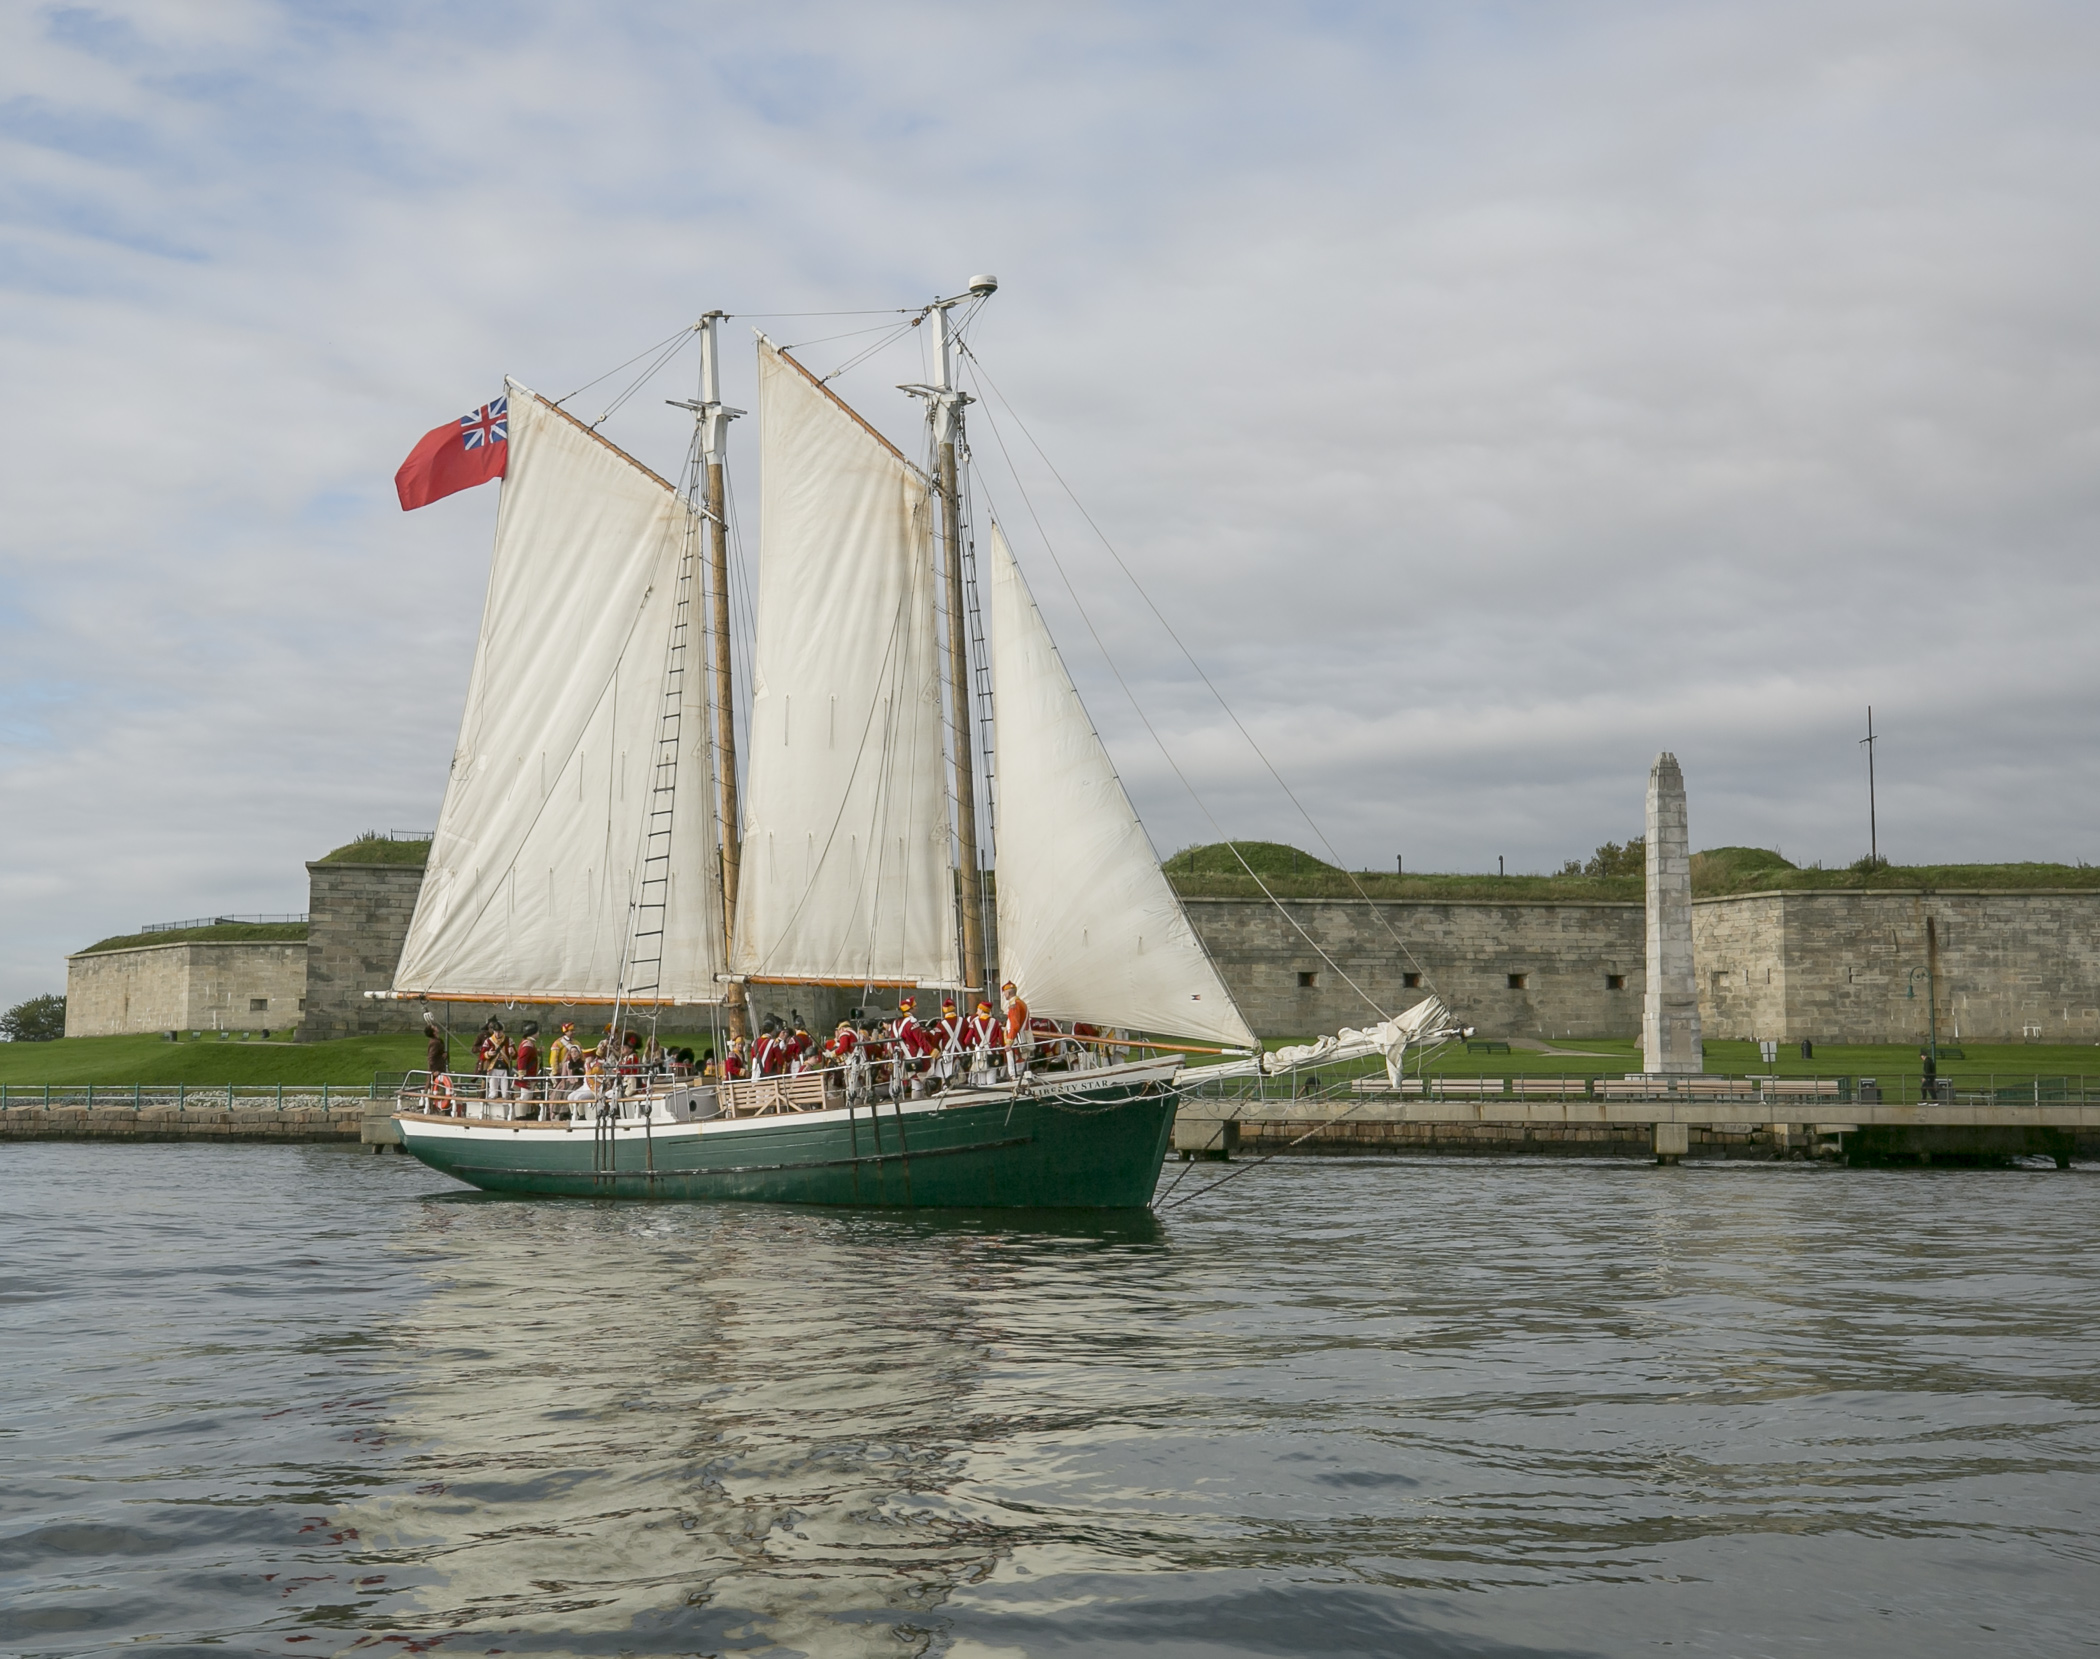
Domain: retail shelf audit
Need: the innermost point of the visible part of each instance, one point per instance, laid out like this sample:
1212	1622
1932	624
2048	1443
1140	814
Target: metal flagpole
1873	829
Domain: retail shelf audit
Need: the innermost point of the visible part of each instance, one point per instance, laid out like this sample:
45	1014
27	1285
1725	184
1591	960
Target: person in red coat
770	1056
1020	1033
985	1035
908	1039
529	1060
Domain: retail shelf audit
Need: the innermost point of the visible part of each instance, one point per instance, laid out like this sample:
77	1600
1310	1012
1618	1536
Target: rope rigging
979	375
1146	720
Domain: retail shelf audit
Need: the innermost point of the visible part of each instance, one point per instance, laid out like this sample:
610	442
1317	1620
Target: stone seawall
202	1116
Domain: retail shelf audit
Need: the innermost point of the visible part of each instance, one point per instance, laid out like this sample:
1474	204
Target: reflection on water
293	1400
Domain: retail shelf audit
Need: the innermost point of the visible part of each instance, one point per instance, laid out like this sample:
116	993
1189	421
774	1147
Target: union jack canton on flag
490	424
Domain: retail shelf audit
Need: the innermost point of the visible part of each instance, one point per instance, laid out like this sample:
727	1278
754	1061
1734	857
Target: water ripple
297	1400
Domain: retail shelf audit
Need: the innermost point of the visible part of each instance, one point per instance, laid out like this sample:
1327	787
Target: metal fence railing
219	921
1358	1081
135	1097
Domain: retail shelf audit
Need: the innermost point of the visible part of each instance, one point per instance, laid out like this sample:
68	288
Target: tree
39	1020
1611	859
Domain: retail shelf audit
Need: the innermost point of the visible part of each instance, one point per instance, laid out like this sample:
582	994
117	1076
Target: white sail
533	871
1088	927
846	874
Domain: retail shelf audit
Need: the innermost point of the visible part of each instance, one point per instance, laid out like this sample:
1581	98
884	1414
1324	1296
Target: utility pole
1873	829
1932	990
944	408
715	417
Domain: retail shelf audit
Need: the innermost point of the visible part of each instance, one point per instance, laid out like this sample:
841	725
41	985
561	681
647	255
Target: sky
1488	396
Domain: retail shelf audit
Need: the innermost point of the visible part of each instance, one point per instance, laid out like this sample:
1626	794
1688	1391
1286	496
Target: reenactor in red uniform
1020	1033
910	1046
771	1055
984	1037
947	1037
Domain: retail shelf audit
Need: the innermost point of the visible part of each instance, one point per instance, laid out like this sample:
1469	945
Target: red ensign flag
456	456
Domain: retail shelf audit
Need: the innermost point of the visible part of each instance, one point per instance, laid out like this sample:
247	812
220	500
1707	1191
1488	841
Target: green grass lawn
1217	872
153	1059
219	933
1615	1056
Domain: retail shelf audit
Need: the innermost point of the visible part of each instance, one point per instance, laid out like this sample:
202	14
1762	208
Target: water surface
293	1400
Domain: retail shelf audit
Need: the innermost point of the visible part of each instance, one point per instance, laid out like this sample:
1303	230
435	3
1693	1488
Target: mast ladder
643	975
981	711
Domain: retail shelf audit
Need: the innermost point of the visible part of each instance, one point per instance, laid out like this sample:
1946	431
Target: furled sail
541	838
846	875
1088	927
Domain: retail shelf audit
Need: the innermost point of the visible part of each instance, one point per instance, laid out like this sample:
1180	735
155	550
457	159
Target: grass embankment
1214	872
223	933
374	848
1759	870
153	1059
211	1059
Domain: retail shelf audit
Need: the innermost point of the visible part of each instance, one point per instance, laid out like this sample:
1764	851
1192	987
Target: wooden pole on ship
946	407
714	435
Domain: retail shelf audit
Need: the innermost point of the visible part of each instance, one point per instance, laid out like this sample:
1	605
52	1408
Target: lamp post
1932	1009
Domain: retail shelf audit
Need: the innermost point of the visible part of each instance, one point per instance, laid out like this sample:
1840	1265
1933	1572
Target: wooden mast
714	433
946	407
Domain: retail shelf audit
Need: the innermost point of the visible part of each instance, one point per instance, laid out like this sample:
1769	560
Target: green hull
1087	1147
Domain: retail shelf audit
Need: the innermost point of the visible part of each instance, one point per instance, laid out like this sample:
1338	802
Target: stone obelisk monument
1670	1007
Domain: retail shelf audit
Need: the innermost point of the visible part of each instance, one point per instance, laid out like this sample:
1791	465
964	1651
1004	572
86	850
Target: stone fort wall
1829	966
1510	968
191	986
2006	967
356	923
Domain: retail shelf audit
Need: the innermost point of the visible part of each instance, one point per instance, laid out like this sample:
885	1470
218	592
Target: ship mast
714	417
945	407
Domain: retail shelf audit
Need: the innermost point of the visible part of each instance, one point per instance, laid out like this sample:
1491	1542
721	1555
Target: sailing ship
601	846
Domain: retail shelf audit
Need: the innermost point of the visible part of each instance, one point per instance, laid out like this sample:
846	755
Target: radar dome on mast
984	285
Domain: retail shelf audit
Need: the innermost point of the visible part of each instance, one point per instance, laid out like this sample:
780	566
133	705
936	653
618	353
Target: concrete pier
1670	1004
1698	1127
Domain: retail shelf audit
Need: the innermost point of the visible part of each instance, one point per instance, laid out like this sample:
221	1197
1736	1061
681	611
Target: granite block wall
357	921
249	986
1852	967
1738	950
1509	968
